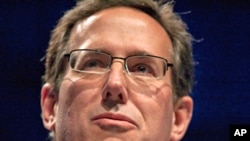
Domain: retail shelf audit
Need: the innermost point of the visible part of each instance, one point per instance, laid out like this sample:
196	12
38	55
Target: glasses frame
67	55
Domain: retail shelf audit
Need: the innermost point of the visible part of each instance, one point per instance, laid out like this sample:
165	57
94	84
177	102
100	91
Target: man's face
115	106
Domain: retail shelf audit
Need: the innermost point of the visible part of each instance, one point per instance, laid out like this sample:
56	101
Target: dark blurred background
221	92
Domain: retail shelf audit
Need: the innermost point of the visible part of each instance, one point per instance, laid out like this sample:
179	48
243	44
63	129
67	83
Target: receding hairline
138	16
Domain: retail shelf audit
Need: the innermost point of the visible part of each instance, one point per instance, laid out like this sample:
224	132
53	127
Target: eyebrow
140	52
130	53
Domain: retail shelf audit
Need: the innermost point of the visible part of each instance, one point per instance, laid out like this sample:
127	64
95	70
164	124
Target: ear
183	110
48	106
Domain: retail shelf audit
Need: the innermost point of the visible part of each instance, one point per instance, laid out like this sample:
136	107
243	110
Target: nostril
108	94
113	97
120	96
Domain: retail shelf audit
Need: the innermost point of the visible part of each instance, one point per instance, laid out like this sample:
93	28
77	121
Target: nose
115	90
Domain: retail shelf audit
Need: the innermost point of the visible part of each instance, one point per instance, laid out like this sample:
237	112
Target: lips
114	121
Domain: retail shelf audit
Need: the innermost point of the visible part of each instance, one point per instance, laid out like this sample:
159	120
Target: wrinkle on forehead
122	16
122	26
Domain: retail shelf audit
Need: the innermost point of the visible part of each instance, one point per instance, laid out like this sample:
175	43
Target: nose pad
115	90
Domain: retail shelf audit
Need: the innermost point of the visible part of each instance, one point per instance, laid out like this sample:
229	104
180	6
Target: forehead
121	28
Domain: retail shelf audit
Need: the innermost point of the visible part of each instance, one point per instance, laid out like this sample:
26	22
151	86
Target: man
118	70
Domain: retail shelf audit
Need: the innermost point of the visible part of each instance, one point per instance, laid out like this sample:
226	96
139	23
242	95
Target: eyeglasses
96	61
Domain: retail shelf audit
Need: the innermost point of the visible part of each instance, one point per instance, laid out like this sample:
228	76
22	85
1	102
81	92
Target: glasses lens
145	66
89	61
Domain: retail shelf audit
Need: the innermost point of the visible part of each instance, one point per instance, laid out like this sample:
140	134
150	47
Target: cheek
79	89
155	102
157	93
158	106
77	97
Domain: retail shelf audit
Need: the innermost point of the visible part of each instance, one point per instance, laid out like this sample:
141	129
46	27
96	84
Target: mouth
114	122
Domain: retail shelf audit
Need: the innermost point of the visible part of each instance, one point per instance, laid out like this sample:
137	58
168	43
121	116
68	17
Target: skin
133	110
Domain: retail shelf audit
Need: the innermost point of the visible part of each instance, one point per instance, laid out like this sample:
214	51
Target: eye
89	61
94	63
141	70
